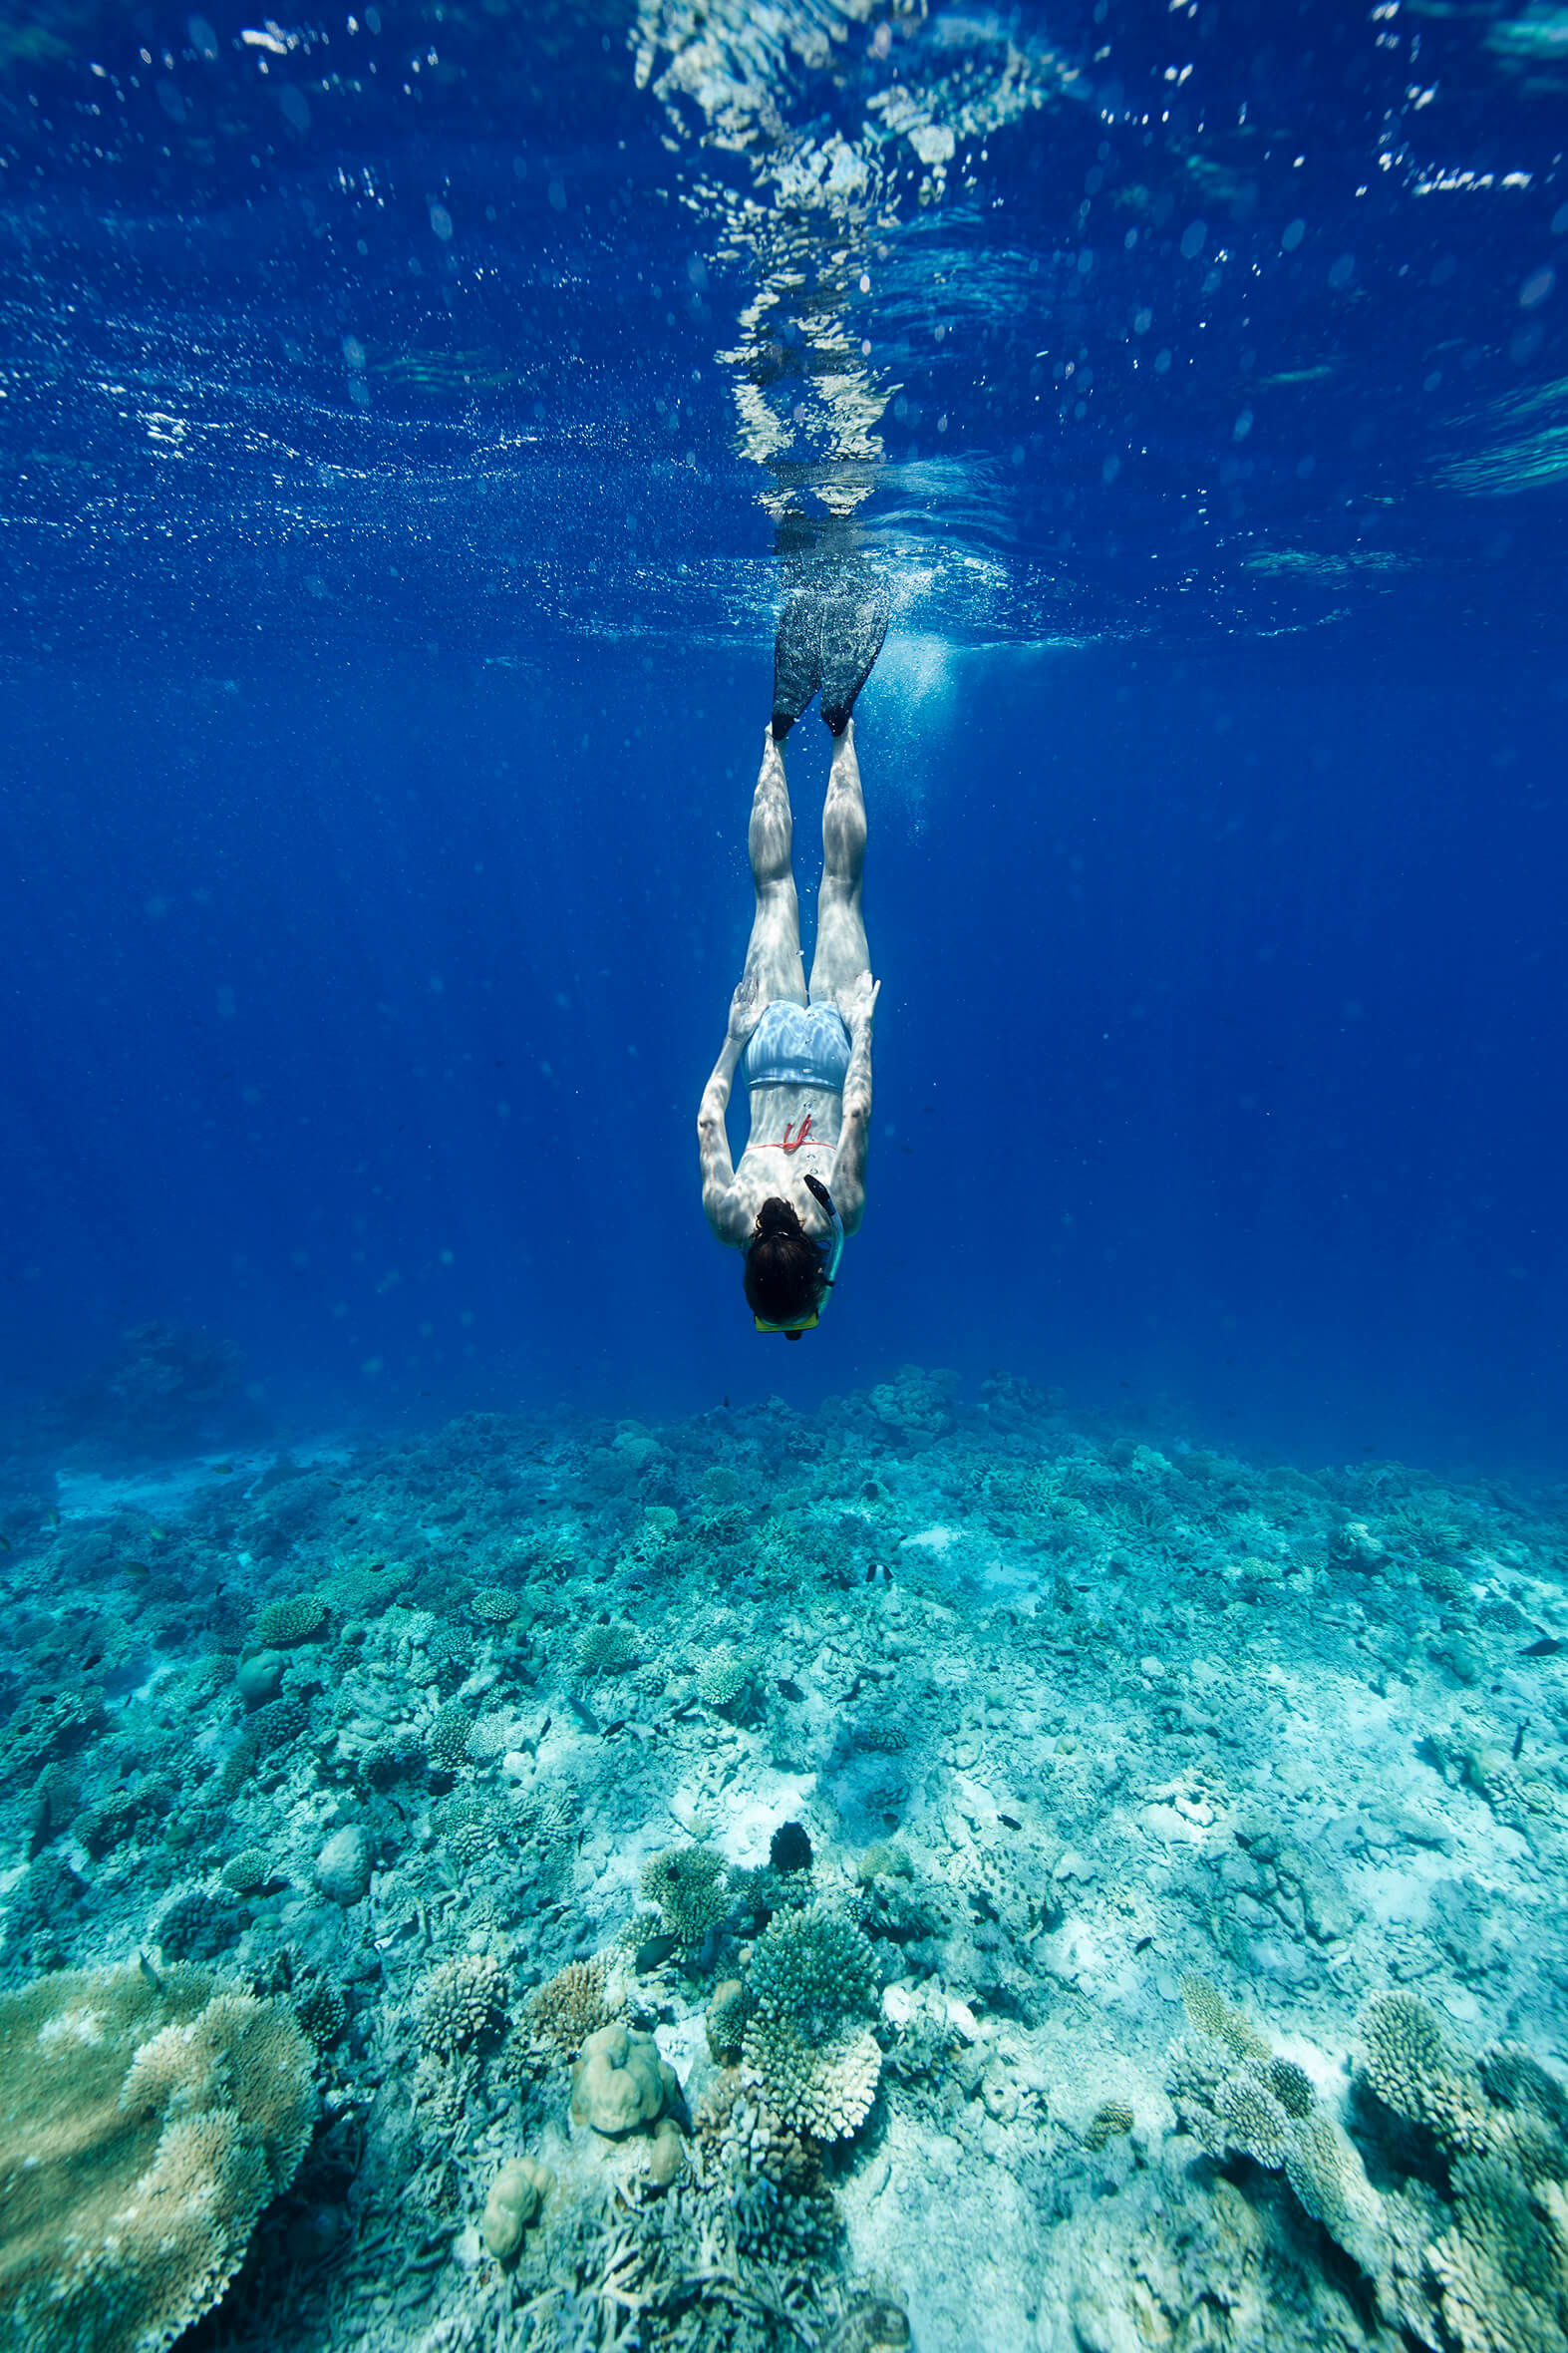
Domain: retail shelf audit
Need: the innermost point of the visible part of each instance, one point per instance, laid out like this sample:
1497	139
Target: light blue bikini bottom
799	1046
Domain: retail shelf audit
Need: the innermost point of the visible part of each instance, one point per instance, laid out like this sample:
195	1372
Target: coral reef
516	2195
144	2126
621	2081
1227	2084
296	1617
463	2003
689	1885
1044	1727
570	2006
809	1983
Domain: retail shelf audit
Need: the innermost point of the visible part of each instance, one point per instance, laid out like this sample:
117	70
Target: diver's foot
796	655
854	623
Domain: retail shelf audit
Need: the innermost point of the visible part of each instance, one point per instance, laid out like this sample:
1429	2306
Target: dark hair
785	1271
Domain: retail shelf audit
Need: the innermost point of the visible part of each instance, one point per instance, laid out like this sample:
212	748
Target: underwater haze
532	1817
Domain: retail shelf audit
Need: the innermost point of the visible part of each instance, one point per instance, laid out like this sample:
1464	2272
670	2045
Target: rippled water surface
448	322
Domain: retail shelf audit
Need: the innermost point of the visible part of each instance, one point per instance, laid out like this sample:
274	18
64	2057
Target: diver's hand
857	1002
747	1007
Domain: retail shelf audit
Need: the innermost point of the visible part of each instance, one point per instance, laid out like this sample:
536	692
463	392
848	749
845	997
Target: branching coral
1236	2097
810	1983
607	1650
1413	2071
1487	2270
463	2003
722	1677
688	1883
1502	2268
446	1741
569	2006
297	1617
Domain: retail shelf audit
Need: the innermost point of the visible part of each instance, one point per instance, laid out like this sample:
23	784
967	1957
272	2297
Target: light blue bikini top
799	1046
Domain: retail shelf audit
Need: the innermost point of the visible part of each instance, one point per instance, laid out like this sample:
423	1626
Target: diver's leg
841	954
774	951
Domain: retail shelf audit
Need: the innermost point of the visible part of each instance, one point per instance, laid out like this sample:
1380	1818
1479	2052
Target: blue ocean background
389	654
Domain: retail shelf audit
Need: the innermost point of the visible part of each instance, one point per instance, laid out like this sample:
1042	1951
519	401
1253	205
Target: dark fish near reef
1547	1647
789	1690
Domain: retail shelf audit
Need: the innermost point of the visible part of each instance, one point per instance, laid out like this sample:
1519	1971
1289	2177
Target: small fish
1518	1744
1547	1647
51	1517
223	1469
150	1973
608	1731
789	1690
5	1543
159	1535
134	1568
1010	1824
585	1716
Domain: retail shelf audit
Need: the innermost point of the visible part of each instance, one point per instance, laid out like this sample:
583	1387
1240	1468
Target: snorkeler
801	1186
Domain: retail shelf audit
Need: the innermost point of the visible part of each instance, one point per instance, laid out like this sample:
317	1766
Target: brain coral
295	1618
142	2128
620	2082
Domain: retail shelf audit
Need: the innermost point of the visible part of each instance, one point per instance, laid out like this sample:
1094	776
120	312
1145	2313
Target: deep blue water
393	465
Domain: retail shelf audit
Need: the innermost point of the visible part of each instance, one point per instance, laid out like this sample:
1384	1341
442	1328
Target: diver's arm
721	1203
713	1143
848	1177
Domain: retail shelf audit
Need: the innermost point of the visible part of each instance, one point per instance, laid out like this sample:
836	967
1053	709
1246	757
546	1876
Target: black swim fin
854	622
796	658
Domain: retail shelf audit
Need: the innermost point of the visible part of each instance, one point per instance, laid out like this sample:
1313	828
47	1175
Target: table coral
144	2126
